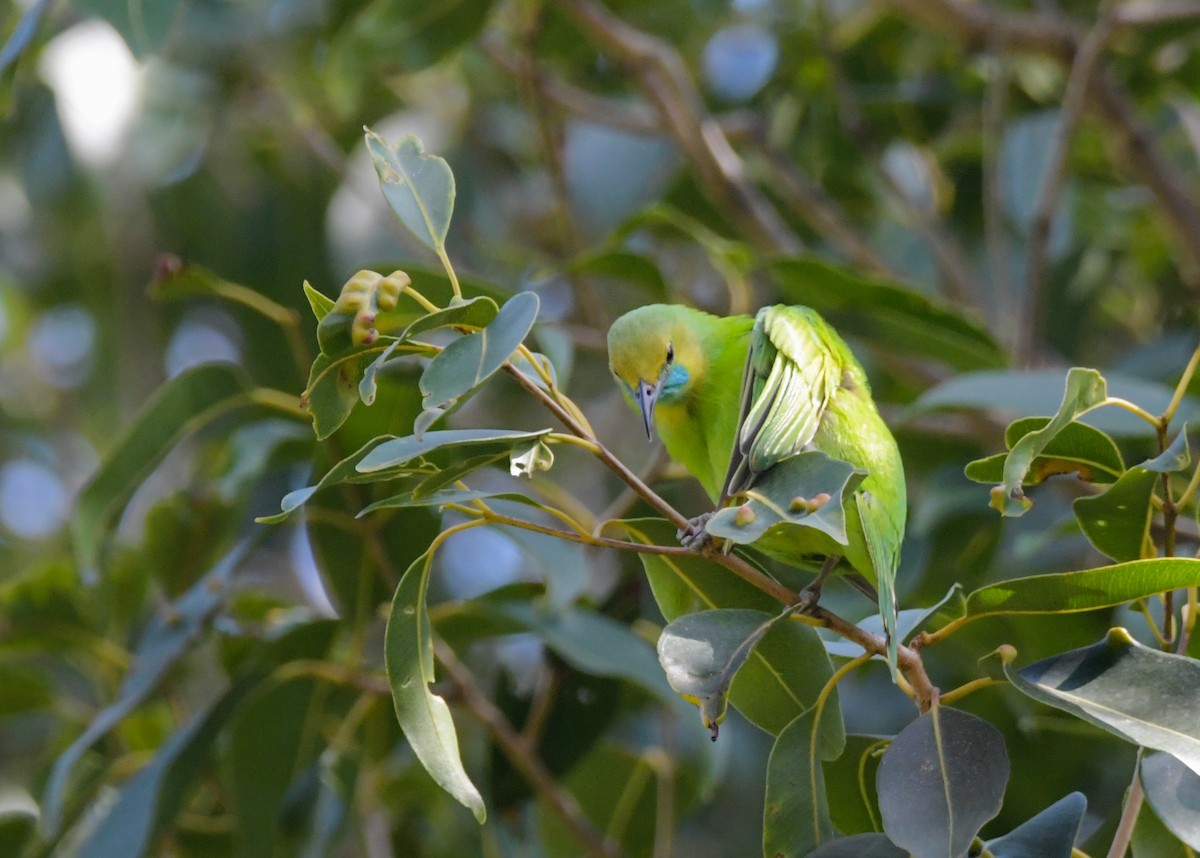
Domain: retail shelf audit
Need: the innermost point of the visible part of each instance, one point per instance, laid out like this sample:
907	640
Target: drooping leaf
183	405
153	796
1087	590
952	605
796	814
1077	448
344	471
169	636
470	360
1021	392
529	457
1086	389
785	671
394	452
941	779
418	187
701	652
1139	694
785	495
896	317
1173	790
1050	834
424	716
860	846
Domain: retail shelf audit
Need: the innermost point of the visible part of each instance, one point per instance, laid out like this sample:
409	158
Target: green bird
733	397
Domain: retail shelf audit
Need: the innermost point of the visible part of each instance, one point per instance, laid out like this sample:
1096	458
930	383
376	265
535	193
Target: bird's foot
694	536
807	599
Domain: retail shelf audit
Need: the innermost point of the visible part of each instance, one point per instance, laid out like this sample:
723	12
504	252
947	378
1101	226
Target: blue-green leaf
1139	694
394	452
940	780
1050	834
1173	790
418	187
796	814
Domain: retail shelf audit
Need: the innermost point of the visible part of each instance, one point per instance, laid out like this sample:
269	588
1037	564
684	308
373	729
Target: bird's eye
670	352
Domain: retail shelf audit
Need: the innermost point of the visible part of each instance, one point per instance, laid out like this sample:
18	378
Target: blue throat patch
673	384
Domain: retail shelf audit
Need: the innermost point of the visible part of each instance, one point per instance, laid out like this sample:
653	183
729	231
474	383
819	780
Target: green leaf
622	264
319	303
1117	522
940	780
168	638
1087	590
796	814
394	452
418	187
889	314
182	406
475	312
785	671
701	652
424	717
1019	392
860	846
1077	448
780	497
850	784
1139	694
271	740
152	797
470	360
1086	389
1173	790
1050	834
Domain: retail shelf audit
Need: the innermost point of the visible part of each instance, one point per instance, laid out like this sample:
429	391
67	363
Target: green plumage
733	397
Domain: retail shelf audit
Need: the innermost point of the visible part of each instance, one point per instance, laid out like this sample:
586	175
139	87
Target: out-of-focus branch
1083	70
659	71
995	234
981	27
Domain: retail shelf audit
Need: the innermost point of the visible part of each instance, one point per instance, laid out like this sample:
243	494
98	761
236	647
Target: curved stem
969	688
1132	409
1181	388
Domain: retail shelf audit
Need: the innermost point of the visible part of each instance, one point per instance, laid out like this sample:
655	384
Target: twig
558	800
1087	60
659	71
1129	814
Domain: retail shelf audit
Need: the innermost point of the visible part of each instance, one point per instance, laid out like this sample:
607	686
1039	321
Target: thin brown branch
560	802
659	71
1129	814
1083	70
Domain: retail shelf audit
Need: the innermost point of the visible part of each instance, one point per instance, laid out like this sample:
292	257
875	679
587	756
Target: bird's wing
791	373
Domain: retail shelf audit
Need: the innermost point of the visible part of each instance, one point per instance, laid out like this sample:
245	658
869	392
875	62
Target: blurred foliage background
1026	172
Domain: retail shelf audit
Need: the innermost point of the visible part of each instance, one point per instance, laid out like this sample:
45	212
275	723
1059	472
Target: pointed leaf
168	638
1068	592
888	313
343	472
1077	448
472	359
780	497
942	778
796	814
785	671
183	405
319	303
471	313
1086	389
418	187
393	452
1050	834
701	652
424	716
1144	696
1173	790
